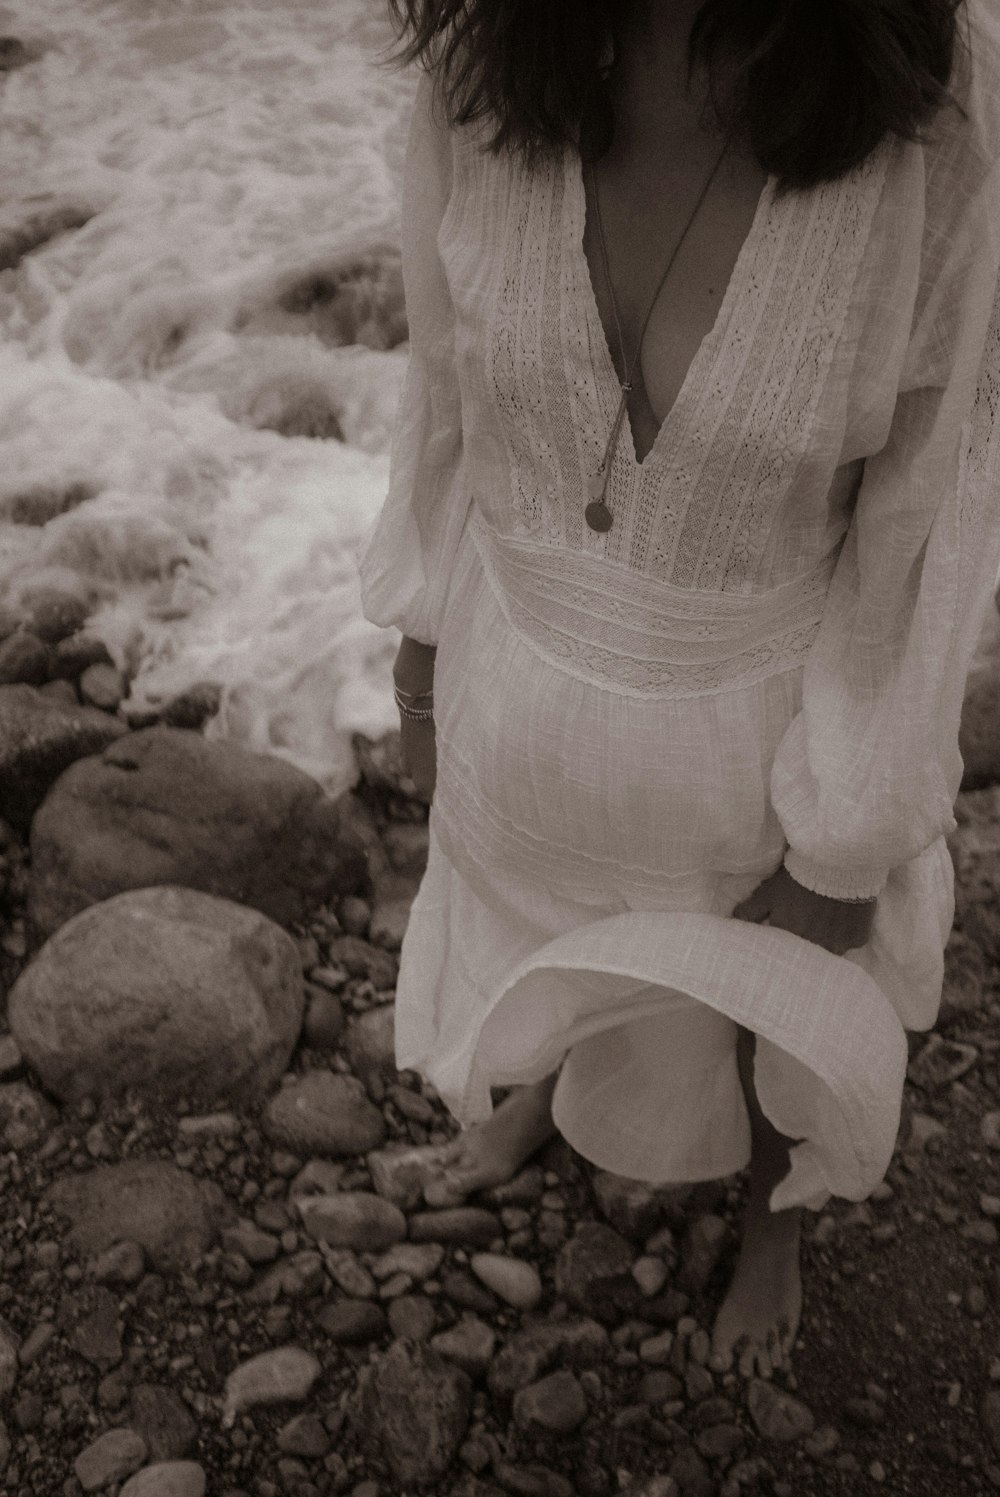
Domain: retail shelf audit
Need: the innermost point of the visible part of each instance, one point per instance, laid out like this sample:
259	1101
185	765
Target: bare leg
492	1152
759	1317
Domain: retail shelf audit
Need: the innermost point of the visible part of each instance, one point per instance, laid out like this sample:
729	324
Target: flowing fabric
762	662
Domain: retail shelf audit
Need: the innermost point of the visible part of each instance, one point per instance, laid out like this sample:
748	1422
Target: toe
446	1189
747	1357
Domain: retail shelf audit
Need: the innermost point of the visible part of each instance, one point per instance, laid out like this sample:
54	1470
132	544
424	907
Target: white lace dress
762	661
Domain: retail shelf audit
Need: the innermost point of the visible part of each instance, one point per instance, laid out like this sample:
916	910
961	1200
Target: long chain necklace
597	513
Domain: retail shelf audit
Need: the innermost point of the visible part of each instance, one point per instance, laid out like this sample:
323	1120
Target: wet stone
110	1458
458	1226
163	1420
700	1251
556	1403
513	1280
777	1415
352	1321
415	1409
594	1272
470	1344
304	1435
413	1316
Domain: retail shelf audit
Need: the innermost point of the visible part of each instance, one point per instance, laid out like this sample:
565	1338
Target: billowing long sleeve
867	772
407	553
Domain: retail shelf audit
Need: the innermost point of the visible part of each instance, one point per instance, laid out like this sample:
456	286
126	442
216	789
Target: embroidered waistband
618	628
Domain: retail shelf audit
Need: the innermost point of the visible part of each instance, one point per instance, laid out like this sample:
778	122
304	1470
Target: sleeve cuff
835	883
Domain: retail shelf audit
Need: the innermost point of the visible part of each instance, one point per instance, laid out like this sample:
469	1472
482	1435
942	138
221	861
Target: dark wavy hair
815	85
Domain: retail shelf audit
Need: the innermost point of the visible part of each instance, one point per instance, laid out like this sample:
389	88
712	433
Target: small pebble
512	1279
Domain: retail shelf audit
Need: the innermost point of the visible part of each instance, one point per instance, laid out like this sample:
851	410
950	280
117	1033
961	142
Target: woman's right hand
417	744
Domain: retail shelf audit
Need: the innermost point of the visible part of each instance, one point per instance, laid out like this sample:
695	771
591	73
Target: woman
692	521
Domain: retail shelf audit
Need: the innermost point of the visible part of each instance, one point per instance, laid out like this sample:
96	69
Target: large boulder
39	738
166	990
164	806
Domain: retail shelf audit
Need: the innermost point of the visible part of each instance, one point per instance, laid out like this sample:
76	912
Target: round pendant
598	516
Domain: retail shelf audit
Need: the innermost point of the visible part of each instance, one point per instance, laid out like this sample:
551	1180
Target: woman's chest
663	236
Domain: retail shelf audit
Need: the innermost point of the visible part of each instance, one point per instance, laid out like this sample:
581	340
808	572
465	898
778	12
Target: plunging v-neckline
626	439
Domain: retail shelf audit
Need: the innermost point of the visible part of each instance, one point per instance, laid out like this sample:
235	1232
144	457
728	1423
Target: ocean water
173	372
174	376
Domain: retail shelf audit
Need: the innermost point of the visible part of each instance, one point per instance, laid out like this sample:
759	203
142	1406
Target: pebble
348	1273
989	1129
513	1280
412	1315
420	1260
35	1343
111	1457
655	1350
8	1361
323	1023
700	1251
284	1375
556	1403
823	1441
11	1059
317	1177
470	1344
353	1219
121	1263
777	1415
650	1274
352	1321
102	686
164	1421
458	1226
981	1230
989	1416
209	1125
166	1479
305	1435
250	1242
323	1113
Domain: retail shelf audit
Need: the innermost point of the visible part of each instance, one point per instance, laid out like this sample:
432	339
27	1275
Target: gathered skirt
587	849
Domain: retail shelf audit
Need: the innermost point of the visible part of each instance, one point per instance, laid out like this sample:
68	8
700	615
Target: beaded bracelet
422	714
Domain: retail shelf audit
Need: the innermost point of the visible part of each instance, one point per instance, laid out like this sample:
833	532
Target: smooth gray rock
777	1415
166	806
166	990
324	1113
557	1404
166	1479
39	738
175	1216
357	1219
111	1457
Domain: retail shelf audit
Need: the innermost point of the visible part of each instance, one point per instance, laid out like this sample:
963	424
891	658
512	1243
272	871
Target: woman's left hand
835	924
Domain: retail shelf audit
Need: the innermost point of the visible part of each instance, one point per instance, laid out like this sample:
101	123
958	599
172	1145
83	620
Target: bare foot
759	1317
492	1152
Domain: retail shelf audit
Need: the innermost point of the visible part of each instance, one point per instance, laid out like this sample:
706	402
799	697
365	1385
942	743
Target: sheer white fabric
762	660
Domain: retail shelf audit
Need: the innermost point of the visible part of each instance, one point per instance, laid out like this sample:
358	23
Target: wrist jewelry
415	714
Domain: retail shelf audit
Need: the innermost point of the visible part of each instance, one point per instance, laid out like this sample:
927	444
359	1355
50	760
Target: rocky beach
217	1272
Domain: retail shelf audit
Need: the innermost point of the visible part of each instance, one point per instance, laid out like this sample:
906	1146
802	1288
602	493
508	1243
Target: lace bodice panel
738	450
